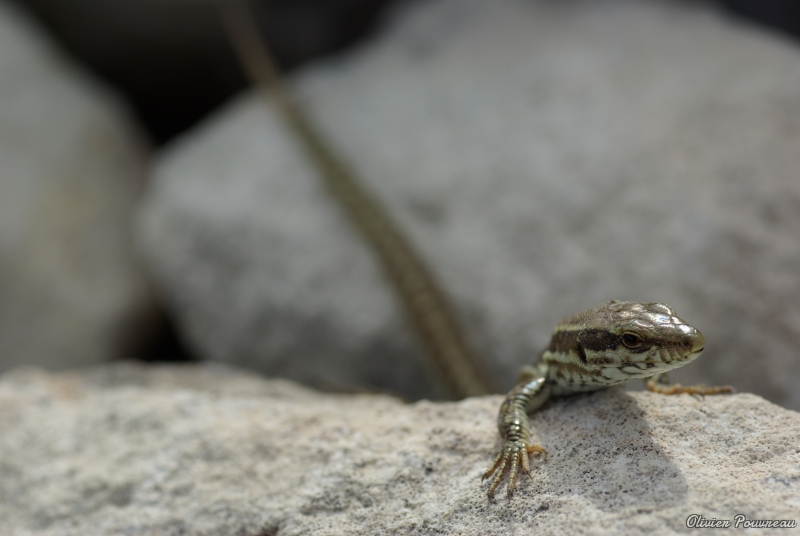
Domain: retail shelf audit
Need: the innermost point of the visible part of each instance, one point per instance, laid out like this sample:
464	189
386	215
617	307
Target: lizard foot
513	455
675	389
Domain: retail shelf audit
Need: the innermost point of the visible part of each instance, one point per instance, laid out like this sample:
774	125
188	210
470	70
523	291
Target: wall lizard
610	344
607	345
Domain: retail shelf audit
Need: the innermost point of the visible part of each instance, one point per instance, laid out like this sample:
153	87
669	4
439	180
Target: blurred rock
171	58
71	168
544	156
204	451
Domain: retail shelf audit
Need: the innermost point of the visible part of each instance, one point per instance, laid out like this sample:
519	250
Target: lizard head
620	341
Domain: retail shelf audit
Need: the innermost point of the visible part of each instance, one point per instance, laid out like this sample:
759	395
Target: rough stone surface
158	451
71	168
544	156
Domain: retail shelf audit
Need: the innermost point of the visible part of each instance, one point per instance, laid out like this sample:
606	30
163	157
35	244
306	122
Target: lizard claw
513	455
676	389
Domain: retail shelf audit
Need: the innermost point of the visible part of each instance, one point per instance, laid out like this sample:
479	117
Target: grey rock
543	156
71	169
204	450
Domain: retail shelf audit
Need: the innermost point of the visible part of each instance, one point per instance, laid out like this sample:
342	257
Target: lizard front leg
512	421
660	384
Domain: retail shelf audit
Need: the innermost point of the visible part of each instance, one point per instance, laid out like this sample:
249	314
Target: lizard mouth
674	354
668	357
693	355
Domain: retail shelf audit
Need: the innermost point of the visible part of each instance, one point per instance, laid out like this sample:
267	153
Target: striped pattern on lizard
607	345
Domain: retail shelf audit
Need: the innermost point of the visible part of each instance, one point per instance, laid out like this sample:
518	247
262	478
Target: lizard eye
630	339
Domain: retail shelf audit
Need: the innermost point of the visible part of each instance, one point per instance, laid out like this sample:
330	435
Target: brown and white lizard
608	345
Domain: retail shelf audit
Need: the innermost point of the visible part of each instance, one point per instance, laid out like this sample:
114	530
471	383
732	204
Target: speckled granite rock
71	168
544	156
158	451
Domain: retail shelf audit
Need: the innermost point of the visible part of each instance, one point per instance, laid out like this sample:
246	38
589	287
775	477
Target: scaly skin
608	345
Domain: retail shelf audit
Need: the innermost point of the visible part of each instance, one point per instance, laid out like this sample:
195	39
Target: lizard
604	346
607	345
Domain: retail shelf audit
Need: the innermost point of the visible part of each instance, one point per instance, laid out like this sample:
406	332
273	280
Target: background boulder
544	157
72	165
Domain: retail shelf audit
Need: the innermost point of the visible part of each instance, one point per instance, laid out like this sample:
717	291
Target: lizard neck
566	378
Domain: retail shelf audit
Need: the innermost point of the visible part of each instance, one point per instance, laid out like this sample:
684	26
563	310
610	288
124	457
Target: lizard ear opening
581	352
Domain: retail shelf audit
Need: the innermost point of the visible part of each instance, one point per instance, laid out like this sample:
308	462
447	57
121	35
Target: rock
71	169
200	450
543	156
